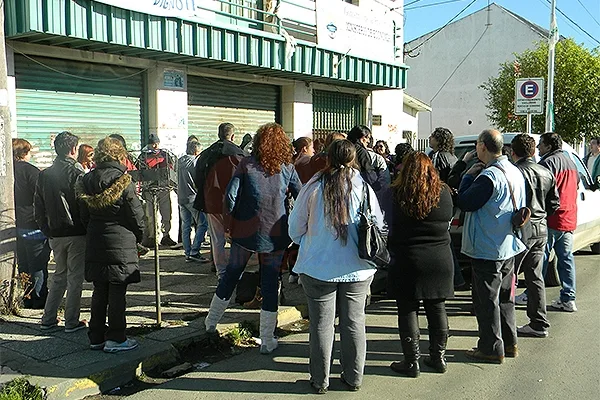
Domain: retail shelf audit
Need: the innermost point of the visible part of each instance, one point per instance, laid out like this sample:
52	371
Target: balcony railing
297	17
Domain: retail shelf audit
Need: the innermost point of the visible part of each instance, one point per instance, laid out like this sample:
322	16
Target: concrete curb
153	352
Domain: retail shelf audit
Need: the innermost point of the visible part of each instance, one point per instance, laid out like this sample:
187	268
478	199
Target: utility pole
7	208
552	39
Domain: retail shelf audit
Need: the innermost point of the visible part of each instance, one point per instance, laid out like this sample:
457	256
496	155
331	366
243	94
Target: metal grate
334	111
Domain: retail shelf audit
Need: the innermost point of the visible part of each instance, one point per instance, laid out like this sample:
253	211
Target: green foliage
21	389
243	334
576	90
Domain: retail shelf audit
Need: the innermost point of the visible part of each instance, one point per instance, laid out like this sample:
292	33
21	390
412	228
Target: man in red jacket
563	222
214	169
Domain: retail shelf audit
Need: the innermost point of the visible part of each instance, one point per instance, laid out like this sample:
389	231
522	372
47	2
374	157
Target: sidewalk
64	364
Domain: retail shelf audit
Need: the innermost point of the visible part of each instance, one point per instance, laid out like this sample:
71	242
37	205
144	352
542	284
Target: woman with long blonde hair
256	218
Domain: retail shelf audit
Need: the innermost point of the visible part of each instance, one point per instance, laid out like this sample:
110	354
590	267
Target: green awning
93	26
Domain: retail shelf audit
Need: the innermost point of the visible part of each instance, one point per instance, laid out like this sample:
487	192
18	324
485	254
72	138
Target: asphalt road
563	366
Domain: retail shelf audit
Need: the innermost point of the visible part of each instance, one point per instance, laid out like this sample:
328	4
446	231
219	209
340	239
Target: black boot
437	350
412	352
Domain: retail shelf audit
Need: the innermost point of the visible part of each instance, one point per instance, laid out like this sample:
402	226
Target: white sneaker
293	278
568	306
115	347
527	330
521	300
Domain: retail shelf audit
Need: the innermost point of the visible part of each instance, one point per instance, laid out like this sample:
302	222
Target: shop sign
190	10
353	30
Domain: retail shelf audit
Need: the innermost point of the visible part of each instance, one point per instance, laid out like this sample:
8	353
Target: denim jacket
488	232
255	202
322	256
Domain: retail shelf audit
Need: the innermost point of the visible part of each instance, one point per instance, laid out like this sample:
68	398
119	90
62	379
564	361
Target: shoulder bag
372	244
521	217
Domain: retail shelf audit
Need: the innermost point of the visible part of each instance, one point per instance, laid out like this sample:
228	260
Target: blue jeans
190	215
269	275
562	243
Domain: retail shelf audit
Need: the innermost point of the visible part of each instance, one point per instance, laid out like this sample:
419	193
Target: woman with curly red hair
256	218
422	266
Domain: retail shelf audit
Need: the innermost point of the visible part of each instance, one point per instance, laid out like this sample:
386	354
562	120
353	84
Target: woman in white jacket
324	224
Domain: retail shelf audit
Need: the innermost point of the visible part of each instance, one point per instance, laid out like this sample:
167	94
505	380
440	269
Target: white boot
215	313
268	323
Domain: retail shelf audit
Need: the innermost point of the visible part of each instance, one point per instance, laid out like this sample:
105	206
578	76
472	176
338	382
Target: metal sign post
156	258
529	98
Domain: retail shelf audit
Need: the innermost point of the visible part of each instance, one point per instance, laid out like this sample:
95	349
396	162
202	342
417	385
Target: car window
461	150
584	175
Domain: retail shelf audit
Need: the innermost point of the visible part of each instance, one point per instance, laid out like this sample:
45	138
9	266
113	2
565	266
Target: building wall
459	104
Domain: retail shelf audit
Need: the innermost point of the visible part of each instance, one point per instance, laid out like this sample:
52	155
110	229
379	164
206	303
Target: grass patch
21	389
242	336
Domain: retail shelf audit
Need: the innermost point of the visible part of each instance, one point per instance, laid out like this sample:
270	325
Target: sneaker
99	346
521	300
52	325
350	387
568	306
527	330
177	246
196	258
205	245
81	325
142	250
293	278
115	347
167	241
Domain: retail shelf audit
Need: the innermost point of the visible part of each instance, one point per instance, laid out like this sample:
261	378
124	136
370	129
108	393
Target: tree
576	90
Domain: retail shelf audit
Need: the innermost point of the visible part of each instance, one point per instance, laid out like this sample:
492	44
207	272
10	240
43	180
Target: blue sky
426	19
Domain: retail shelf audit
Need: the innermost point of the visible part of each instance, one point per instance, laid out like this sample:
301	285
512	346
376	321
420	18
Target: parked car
588	211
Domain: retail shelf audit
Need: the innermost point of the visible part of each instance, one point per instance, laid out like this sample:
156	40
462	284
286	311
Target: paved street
563	366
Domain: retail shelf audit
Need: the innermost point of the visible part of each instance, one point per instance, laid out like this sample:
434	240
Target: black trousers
494	301
530	262
108	298
408	310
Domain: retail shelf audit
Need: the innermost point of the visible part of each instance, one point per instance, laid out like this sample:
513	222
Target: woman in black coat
422	266
115	221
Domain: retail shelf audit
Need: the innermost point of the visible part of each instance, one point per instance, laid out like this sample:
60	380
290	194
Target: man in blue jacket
488	238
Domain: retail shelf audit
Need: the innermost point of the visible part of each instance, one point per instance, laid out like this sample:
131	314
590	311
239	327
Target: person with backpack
215	167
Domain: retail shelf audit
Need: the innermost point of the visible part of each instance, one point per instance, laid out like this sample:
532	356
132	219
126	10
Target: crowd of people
301	201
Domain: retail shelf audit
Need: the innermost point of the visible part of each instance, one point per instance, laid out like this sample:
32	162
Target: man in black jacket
57	215
378	178
214	169
542	200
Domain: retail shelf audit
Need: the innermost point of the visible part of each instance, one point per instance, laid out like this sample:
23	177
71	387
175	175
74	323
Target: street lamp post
552	39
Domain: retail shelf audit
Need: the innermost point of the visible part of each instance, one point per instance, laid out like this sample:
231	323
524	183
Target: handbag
521	216
372	244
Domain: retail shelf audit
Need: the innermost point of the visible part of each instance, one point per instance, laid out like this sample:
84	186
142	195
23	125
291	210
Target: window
584	175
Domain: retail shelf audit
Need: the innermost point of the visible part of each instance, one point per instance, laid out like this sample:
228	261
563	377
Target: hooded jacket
214	169
114	218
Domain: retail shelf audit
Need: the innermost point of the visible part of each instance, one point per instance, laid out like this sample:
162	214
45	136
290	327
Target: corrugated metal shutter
334	111
214	101
89	100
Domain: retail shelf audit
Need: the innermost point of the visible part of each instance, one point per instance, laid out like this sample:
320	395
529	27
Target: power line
439	30
411	3
432	4
576	24
588	11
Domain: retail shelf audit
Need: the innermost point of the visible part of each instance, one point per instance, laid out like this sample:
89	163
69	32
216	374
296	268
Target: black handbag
372	244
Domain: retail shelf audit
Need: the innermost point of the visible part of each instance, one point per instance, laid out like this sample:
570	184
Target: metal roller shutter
214	101
89	100
334	111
